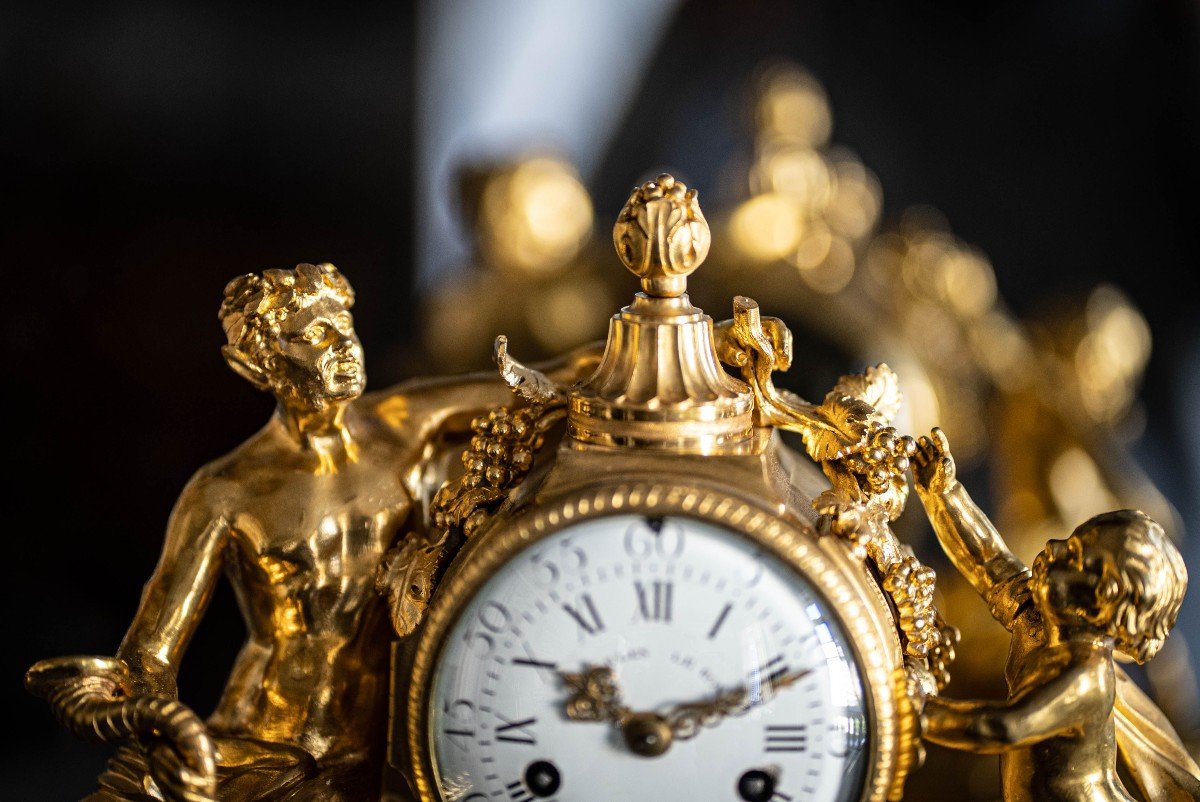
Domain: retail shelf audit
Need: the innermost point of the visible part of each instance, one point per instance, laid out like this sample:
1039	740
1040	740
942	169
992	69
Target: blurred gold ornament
531	228
809	206
533	217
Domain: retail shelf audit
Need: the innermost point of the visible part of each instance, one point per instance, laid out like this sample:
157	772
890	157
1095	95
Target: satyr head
1118	572
661	236
291	332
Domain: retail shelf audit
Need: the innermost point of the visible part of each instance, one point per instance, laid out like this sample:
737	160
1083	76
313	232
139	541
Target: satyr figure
1113	588
300	519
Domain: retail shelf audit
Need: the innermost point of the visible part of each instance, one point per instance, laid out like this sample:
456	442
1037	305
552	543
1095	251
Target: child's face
1067	575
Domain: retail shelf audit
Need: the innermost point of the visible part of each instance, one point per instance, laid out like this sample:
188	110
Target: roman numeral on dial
586	615
516	732
716	627
461	737
786	738
654	602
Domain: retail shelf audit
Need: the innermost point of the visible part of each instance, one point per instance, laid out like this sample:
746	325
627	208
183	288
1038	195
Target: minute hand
685	720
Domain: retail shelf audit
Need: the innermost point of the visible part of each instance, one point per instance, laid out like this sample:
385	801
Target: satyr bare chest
305	548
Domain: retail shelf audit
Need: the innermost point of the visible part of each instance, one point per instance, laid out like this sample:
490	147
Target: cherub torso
302	554
1077	765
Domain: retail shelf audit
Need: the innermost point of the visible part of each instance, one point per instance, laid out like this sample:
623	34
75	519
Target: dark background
152	151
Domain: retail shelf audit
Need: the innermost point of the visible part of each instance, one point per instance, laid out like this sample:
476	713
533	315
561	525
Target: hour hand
596	697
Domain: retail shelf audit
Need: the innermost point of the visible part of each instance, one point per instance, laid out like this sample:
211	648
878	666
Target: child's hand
933	466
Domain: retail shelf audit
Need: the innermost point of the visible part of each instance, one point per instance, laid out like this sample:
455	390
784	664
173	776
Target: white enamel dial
680	610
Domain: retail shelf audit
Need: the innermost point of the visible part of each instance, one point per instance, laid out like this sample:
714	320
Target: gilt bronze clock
632	588
667	602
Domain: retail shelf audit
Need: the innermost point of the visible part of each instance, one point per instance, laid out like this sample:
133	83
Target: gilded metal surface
89	696
298	518
1113	587
332	506
500	455
659	383
661	236
863	457
651	407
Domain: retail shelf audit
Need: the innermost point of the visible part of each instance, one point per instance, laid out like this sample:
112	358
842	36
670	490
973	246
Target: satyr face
318	353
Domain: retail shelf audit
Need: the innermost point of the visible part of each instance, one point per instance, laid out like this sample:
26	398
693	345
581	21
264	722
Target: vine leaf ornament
879	387
849	435
407	577
499	457
532	385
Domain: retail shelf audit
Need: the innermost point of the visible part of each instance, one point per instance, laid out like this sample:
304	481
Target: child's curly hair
1151	581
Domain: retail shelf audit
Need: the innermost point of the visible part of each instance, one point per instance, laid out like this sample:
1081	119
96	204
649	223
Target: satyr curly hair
1152	579
255	306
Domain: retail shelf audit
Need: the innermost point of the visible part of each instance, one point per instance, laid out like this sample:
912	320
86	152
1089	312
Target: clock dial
677	615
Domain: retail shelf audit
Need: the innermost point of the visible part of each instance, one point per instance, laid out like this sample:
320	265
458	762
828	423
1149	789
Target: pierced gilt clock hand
595	696
686	719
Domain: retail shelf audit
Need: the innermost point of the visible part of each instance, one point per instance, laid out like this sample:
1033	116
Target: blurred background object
531	231
459	160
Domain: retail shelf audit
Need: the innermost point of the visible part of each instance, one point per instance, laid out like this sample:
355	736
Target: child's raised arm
966	534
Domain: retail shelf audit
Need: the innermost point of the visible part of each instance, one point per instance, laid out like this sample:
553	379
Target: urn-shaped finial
662	236
660	383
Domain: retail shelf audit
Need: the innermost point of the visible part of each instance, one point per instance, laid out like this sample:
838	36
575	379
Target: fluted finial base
660	385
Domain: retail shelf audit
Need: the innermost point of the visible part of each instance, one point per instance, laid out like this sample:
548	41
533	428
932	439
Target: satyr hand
94	698
933	466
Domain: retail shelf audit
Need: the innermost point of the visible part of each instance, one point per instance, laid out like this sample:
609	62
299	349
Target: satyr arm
965	533
425	409
178	592
1058	707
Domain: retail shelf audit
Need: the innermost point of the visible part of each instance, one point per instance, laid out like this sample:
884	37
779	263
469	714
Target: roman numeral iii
786	738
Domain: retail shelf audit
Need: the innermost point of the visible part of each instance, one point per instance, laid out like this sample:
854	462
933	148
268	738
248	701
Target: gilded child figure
300	518
1111	589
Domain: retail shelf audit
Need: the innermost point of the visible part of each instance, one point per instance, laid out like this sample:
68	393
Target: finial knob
662	236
